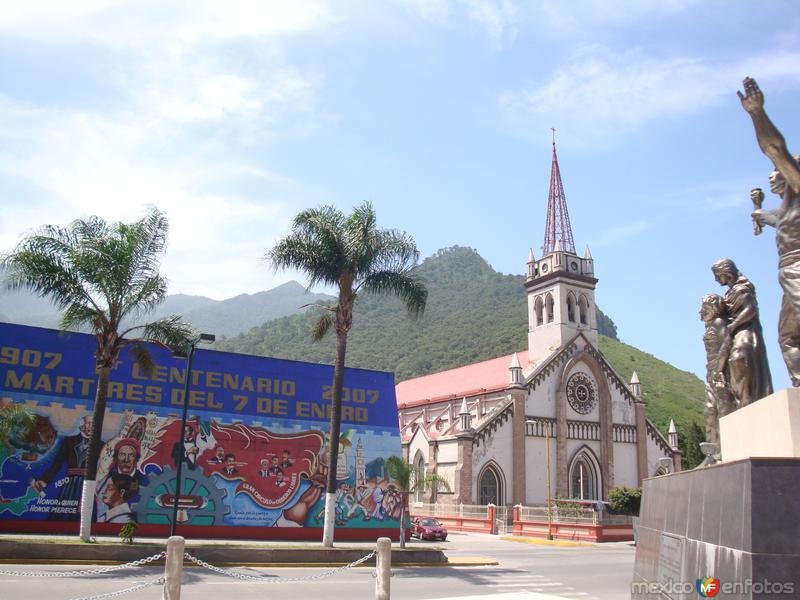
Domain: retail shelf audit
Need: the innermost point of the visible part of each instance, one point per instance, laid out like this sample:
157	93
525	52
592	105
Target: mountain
240	313
221	317
473	313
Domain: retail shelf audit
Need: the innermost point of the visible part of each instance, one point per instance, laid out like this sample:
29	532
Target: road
599	572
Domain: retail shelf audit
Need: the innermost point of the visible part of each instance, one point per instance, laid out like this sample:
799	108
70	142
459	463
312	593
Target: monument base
735	522
768	427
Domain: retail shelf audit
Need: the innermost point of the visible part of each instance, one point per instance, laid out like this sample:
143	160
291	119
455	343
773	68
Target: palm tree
351	253
98	274
410	479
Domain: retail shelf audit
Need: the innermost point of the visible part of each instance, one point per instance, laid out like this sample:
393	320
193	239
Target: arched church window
583	305
548	302
584	480
490	487
419	476
571	307
538	308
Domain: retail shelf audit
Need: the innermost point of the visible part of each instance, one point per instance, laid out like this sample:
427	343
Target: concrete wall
625	465
536	467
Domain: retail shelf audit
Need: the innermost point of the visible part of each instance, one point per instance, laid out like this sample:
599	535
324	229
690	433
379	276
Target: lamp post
547	472
190	346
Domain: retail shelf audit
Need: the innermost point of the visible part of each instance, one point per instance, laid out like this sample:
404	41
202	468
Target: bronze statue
718	341
748	376
785	182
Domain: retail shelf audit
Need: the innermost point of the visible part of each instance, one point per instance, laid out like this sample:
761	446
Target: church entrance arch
584	476
490	485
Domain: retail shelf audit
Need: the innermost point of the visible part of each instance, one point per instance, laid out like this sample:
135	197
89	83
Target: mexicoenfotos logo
708	587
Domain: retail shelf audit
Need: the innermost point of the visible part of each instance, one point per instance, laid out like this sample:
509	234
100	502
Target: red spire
557	228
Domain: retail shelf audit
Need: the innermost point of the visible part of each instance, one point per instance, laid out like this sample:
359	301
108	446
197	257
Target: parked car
427	528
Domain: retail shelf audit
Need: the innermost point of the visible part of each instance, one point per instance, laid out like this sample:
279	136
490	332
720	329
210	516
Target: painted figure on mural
718	341
230	465
72	453
749	378
116	497
190	448
127	453
785	218
219	456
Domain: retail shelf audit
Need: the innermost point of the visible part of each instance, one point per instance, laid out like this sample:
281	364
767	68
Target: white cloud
137	23
187	106
613	235
600	92
497	19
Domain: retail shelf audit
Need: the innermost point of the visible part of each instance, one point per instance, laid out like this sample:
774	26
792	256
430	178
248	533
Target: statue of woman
748	369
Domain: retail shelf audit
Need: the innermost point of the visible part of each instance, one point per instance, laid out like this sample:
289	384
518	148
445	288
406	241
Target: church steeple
557	231
560	284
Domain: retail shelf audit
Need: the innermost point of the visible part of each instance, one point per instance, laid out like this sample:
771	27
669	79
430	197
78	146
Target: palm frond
322	326
406	286
170	331
399	470
76	315
142	357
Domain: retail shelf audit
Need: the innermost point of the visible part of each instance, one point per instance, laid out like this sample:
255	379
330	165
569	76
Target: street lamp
547	470
207	338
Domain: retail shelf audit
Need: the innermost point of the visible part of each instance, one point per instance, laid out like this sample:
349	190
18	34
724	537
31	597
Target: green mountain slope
474	313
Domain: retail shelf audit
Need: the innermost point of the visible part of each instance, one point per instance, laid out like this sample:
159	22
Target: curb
544	542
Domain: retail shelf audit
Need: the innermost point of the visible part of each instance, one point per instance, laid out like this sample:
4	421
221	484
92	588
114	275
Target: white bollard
383	569
173	568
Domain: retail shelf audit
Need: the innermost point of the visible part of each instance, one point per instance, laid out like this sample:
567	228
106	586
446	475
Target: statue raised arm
785	182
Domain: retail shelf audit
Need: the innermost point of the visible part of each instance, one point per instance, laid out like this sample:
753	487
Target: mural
255	452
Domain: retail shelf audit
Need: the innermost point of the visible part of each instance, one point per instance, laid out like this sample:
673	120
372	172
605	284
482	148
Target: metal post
181	449
173	568
383	569
549	497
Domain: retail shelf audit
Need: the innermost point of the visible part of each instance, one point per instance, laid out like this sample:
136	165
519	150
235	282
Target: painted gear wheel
202	503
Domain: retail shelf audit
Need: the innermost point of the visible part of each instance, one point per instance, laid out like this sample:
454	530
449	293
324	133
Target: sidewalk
49	549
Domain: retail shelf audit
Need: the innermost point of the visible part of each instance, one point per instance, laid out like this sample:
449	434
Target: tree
98	274
410	479
13	417
351	253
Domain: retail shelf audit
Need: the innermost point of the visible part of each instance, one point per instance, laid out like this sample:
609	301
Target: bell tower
560	284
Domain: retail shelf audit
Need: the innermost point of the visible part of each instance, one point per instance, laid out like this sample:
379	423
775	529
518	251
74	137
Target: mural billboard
255	452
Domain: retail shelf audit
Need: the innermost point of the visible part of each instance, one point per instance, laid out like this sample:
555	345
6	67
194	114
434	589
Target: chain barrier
99	571
262	579
134	588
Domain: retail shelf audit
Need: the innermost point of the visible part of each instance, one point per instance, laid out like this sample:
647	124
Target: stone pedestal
738	522
769	427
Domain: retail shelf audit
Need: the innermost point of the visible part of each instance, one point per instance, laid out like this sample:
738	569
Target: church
495	429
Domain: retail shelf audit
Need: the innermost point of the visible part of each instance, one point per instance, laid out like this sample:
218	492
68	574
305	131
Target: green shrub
128	531
625	500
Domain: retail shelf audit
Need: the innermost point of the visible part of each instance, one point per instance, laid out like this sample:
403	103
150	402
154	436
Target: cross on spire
558	230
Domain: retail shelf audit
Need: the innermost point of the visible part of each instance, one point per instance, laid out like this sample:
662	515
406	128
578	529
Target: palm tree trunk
403	524
93	455
333	446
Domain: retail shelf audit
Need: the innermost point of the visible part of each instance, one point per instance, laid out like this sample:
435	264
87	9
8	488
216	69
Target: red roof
487	376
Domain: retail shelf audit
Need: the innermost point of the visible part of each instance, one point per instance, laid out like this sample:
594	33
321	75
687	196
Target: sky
234	116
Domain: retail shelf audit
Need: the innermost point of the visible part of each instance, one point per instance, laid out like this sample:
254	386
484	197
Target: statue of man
785	182
748	369
718	341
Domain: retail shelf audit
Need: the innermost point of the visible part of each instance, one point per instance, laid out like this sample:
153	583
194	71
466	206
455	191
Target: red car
427	528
